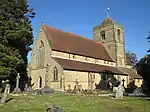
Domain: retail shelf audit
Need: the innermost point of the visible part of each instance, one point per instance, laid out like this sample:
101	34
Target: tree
15	38
143	68
131	58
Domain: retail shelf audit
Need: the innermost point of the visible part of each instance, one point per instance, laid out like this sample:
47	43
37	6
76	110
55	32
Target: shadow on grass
8	100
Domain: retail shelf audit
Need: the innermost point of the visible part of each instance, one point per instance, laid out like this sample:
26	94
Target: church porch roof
130	72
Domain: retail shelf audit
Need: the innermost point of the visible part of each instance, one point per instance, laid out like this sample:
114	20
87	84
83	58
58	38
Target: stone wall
46	72
121	77
82	77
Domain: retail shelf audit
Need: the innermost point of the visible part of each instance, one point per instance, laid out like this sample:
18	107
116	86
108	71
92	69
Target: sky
80	16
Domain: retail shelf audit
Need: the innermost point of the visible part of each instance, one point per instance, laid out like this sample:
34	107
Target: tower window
118	34
103	34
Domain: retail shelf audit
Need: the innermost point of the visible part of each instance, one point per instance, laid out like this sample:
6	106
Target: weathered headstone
137	93
120	91
53	108
4	97
26	87
8	91
47	90
17	89
29	89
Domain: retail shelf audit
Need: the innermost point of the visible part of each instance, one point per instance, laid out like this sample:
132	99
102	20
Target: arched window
103	35
40	82
118	34
55	74
41	53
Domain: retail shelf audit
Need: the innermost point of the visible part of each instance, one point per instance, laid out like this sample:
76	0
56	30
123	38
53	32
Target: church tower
112	35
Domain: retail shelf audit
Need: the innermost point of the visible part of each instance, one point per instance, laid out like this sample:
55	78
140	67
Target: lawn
72	103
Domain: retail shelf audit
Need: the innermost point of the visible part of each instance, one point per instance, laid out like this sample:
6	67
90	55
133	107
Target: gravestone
8	89
30	89
4	97
47	90
115	89
137	93
26	87
53	108
17	89
119	92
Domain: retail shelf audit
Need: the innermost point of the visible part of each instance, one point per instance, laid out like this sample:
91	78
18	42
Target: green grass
74	103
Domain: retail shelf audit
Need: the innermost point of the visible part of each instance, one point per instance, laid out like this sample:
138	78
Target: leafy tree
143	68
15	38
131	58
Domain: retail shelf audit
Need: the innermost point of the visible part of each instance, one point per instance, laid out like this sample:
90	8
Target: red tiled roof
71	43
131	73
89	67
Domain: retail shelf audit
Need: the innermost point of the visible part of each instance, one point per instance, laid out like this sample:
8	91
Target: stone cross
46	76
7	89
17	89
17	80
123	82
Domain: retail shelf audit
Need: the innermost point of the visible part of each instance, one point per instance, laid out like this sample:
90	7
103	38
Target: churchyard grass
75	103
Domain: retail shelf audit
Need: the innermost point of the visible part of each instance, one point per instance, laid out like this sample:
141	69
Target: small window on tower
118	32
103	35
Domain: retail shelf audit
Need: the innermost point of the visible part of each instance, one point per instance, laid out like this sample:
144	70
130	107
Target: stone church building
60	59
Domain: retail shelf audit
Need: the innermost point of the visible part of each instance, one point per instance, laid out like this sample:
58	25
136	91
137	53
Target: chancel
71	57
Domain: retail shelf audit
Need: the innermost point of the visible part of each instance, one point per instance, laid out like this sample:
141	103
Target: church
60	58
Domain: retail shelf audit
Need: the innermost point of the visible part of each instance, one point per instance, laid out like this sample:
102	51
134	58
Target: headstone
17	89
47	90
53	108
69	90
4	97
38	92
8	89
115	89
137	92
30	90
26	87
119	92
76	87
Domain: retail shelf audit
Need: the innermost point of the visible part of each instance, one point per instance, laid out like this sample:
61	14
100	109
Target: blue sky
80	16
